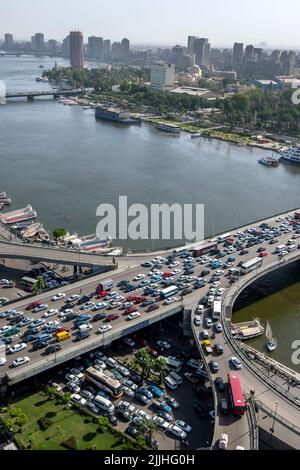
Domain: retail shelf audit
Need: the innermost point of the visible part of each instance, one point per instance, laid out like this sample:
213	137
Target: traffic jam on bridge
203	274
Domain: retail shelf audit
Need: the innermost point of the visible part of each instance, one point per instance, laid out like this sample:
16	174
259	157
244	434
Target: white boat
272	342
31	231
292	154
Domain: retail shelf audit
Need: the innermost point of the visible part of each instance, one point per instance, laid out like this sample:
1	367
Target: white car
133	315
177	431
223	442
130	342
220	291
171	300
58	296
161	422
139	277
127	391
99	306
197	320
50	313
17	348
236	363
163	344
216	284
78	399
73	297
20	361
200	309
100	363
104	328
218	327
3	361
208	322
183	425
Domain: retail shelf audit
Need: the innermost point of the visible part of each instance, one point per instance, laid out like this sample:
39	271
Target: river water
64	163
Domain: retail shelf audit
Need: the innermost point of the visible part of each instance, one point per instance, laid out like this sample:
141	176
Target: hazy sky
157	21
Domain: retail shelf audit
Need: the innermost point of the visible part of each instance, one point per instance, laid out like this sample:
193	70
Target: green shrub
70	443
44	423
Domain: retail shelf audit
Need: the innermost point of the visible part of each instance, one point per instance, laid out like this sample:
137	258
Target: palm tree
161	367
39	286
143	356
149	363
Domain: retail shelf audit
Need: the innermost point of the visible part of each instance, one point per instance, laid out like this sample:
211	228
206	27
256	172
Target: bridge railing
277	417
252	419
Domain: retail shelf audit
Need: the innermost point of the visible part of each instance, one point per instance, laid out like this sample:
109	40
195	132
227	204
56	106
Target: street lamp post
272	429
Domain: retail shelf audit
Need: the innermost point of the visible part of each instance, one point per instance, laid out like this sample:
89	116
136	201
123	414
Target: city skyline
136	23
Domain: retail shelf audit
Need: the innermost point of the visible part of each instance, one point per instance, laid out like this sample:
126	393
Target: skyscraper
106	49
249	52
66	47
8	41
237	55
190	45
95	47
202	52
125	46
76	50
38	42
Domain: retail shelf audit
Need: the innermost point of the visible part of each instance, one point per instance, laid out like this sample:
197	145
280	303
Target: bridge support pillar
30	98
75	270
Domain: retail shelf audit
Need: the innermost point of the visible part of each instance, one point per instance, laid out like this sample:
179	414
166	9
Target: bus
112	386
251	265
203	249
168	292
236	394
223	238
217	309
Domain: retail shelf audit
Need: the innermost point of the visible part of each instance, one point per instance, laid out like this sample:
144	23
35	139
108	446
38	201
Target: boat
194	136
171	128
268	161
43	234
31	230
272	342
247	330
116	115
292	154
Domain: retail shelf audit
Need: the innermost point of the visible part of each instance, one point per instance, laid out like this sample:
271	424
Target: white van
104	404
280	248
291	248
171	383
176	377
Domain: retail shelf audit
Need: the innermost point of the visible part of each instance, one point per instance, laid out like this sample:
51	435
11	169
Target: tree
39	286
59	232
50	392
21	420
161	367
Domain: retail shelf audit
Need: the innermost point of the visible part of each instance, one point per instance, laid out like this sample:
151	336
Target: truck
105	285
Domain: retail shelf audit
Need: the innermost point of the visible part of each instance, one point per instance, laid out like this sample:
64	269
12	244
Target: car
223	406
172	402
156	391
128	383
82	335
163	344
98	317
78	399
128	391
116	374
33	305
183	425
20	361
58	296
111	418
263	254
208	322
204	334
39	308
53	349
142	398
197	320
73	387
236	363
99	306
218	327
165	415
136	378
17	348
104	329
129	342
3	361
152	307
132	431
112	317
218	348
160	422
50	313
138	277
223	441
145	392
100	363
214	366
37	345
177	431
220	384
90	405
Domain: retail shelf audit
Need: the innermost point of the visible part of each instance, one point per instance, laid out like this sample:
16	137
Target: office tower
162	76
125	47
249	52
76	50
66	47
190	45
106	49
8	41
237	55
53	46
258	52
202	52
38	42
95	47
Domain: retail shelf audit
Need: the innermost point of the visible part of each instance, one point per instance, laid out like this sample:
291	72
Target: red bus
203	249
236	394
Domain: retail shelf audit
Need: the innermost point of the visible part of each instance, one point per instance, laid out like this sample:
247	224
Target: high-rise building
53	46
190	45
162	76
76	50
106	49
125	48
8	41
38	42
66	47
258	52
202	52
95	47
249	52
237	55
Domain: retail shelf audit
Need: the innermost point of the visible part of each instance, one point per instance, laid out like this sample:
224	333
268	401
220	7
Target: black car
205	272
84	299
53	349
187	291
111	418
70	316
220	384
37	345
16	320
153	443
189	272
136	378
124	414
98	317
133	432
82	335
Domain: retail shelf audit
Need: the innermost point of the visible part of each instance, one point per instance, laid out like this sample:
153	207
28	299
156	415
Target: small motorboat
272	342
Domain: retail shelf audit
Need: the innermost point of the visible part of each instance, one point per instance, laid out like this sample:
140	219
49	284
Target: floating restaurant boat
268	161
247	330
171	128
20	215
4	199
31	230
116	115
292	154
